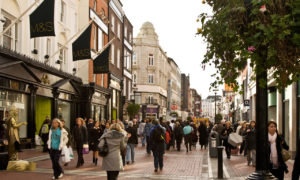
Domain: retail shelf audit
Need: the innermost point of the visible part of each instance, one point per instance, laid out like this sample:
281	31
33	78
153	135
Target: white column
279	112
293	118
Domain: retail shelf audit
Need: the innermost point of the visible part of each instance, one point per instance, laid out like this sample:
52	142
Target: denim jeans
158	159
143	139
148	148
130	152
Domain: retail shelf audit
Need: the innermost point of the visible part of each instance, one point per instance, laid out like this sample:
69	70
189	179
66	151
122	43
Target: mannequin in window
13	134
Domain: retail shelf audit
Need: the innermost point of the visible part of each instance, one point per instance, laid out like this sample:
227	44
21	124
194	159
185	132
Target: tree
133	109
265	32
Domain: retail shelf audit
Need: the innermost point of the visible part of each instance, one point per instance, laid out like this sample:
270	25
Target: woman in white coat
58	138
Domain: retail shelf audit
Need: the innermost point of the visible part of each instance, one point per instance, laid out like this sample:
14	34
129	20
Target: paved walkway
177	166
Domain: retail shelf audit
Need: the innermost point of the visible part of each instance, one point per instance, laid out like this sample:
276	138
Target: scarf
273	154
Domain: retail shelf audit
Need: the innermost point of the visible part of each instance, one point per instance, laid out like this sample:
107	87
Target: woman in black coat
95	134
80	136
203	131
225	135
178	133
277	165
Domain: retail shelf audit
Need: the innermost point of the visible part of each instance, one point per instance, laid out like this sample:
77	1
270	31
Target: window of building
151	60
113	54
119	31
134	78
62	56
150	79
63	12
100	39
102	80
130	37
134	59
10	37
112	23
118	58
125	59
125	32
129	61
150	99
95	37
48	46
95	5
124	88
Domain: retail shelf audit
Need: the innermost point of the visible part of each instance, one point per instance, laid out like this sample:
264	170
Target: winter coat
63	139
80	136
157	146
203	131
116	143
280	143
178	132
250	138
133	138
147	129
95	134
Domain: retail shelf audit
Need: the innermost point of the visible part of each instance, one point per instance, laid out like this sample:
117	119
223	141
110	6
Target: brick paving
177	165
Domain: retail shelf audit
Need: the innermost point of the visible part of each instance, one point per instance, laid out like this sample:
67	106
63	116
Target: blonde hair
82	121
58	121
116	127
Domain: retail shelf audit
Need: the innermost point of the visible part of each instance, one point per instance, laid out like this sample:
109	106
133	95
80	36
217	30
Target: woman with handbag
116	142
277	149
80	136
95	133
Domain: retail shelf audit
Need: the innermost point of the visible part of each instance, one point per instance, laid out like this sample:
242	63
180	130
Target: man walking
146	134
157	141
187	131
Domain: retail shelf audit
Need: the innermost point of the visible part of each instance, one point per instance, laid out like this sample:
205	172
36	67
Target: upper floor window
128	56
112	54
151	60
150	79
119	31
62	55
100	39
95	37
95	5
134	59
112	23
63	12
118	58
125	32
10	37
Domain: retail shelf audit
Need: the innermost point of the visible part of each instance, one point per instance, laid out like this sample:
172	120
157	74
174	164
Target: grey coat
116	142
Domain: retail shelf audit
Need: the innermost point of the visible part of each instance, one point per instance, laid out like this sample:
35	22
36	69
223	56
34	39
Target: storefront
150	111
99	107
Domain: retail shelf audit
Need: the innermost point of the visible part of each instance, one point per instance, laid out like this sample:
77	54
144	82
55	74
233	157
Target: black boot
96	161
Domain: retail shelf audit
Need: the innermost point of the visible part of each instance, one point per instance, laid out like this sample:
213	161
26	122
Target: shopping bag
235	139
71	153
85	149
65	154
38	140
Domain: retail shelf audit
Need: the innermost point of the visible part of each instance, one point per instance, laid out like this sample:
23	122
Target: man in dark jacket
157	141
251	144
178	133
132	142
146	134
80	136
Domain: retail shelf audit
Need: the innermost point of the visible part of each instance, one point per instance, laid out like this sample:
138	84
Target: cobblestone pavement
177	165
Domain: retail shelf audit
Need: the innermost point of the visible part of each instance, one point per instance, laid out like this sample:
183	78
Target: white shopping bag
65	154
38	140
71	153
235	139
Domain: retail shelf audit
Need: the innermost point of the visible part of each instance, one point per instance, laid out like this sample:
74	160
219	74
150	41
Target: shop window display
64	112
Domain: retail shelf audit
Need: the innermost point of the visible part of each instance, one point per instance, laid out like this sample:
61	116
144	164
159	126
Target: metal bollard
220	162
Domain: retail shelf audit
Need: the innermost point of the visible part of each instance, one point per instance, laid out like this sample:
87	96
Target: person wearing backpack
44	133
157	141
187	131
146	133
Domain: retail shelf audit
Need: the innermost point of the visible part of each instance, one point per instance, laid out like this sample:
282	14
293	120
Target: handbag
285	155
103	151
85	149
65	153
71	153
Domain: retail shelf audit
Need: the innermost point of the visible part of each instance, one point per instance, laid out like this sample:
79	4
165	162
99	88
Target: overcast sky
175	23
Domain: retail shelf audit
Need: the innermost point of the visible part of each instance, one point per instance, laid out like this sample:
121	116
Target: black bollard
220	162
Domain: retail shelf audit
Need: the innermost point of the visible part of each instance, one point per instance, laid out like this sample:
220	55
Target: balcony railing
151	101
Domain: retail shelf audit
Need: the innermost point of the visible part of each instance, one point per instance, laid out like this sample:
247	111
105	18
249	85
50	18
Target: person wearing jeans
146	133
58	137
132	142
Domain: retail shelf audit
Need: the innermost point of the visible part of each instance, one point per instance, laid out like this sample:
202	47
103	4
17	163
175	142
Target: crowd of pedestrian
157	136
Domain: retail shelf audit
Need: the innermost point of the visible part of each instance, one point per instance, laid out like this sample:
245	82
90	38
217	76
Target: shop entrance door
43	109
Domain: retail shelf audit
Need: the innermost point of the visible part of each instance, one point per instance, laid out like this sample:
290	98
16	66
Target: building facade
185	93
150	73
196	103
